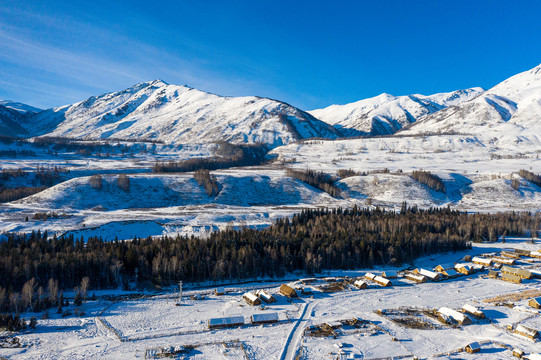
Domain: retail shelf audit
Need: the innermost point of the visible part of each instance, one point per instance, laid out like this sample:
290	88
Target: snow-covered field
126	329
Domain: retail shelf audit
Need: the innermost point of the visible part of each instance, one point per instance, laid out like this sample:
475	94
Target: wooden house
265	296
481	261
360	284
474	347
442	267
518	353
288	291
526	331
224	322
535	303
503	260
535	273
446	313
473	311
510	254
369	276
430	275
265	318
511	278
523	273
535	254
251	299
382	281
493	274
219	291
390	274
463	269
522	252
418	278
450	273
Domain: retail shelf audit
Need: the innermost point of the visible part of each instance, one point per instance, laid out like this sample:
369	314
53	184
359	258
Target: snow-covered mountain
10	121
386	114
179	114
511	109
20	107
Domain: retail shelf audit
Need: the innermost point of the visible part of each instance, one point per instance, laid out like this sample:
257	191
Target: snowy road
295	336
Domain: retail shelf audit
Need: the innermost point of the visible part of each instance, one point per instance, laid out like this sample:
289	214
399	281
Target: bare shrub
96	181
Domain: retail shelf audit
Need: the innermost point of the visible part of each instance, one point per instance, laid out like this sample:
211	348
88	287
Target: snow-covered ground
126	329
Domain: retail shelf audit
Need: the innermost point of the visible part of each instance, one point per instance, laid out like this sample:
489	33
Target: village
478	304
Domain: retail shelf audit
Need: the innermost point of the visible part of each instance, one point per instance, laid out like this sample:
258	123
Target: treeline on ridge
226	155
433	181
530	176
311	241
317	179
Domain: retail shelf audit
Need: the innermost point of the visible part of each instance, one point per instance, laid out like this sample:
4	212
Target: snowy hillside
9	122
179	114
386	114
510	110
20	107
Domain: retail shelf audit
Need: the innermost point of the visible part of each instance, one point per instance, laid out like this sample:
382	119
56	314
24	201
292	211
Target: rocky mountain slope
510	111
179	114
386	114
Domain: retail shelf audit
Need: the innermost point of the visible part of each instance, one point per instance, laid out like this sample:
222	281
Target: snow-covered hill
386	114
510	110
9	122
20	107
179	114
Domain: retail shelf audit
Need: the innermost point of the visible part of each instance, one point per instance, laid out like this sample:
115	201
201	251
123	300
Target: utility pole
179	292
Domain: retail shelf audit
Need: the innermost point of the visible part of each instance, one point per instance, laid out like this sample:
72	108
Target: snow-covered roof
250	296
359	283
451	272
481	260
416	277
265	317
369	276
537	300
264	295
429	274
382	280
453	314
533	357
225	321
220	290
474	346
334	324
471	309
526	330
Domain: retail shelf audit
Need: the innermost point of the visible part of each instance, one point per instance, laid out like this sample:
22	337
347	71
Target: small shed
390	274
535	303
473	347
431	275
510	254
511	278
418	278
523	252
464	269
535	273
288	291
526	331
493	274
518	353
265	318
482	261
224	322
536	254
473	311
360	284
251	298
334	324
459	317
219	291
265	296
382	281
369	276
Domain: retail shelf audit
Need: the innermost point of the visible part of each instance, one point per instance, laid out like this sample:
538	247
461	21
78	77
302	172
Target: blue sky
310	54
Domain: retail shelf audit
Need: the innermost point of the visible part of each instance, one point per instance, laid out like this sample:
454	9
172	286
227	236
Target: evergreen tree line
35	266
530	176
40	179
433	181
207	181
227	156
317	179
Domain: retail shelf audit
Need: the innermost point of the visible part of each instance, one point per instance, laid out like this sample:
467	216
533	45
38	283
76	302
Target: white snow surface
386	114
178	114
17	106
